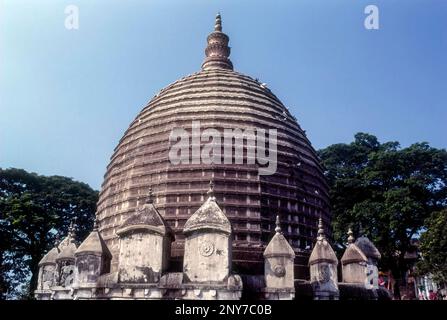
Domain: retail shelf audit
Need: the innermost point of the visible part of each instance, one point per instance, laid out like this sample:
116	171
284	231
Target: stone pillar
354	263
207	256
66	261
92	258
279	268
47	274
323	268
145	243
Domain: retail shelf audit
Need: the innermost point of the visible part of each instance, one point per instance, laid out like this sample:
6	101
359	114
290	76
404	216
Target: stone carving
67	275
324	274
206	248
279	270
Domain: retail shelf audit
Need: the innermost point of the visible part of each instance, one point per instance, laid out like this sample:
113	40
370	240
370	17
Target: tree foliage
34	209
433	247
387	190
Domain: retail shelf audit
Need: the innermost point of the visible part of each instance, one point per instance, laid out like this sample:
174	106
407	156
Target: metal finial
150	196
210	191
320	234
218	24
350	236
278	226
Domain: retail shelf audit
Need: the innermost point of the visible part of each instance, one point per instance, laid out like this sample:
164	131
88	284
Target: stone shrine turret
354	263
145	245
207	243
278	269
92	258
48	272
323	268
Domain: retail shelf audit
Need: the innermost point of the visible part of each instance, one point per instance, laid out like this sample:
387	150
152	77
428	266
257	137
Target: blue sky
67	96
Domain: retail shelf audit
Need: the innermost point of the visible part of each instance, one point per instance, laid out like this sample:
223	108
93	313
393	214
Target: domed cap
94	244
368	248
50	257
67	247
278	245
146	218
208	217
322	251
352	253
217	51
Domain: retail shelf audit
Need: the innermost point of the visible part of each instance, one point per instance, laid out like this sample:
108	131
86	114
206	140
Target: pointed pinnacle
278	225
218	24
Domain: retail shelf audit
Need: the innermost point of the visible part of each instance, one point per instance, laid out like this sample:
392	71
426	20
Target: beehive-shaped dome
220	98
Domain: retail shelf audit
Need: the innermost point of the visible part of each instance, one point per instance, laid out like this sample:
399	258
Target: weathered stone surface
141	257
323	268
50	257
92	258
279	267
47	276
48	270
208	216
145	246
207	257
93	244
354	263
207	244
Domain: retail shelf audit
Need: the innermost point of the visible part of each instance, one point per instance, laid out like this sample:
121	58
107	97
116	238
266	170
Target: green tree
34	209
433	247
388	190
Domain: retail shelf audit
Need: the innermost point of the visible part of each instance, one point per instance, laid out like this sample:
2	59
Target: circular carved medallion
279	270
206	248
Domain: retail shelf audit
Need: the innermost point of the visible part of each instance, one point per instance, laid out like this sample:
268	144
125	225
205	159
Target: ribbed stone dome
219	98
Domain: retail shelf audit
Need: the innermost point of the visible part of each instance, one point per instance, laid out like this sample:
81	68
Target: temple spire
217	50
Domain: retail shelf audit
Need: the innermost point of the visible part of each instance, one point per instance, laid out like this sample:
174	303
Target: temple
215	230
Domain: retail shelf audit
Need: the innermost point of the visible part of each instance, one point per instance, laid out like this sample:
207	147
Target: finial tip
150	196
210	191
278	225
350	236
320	234
218	24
